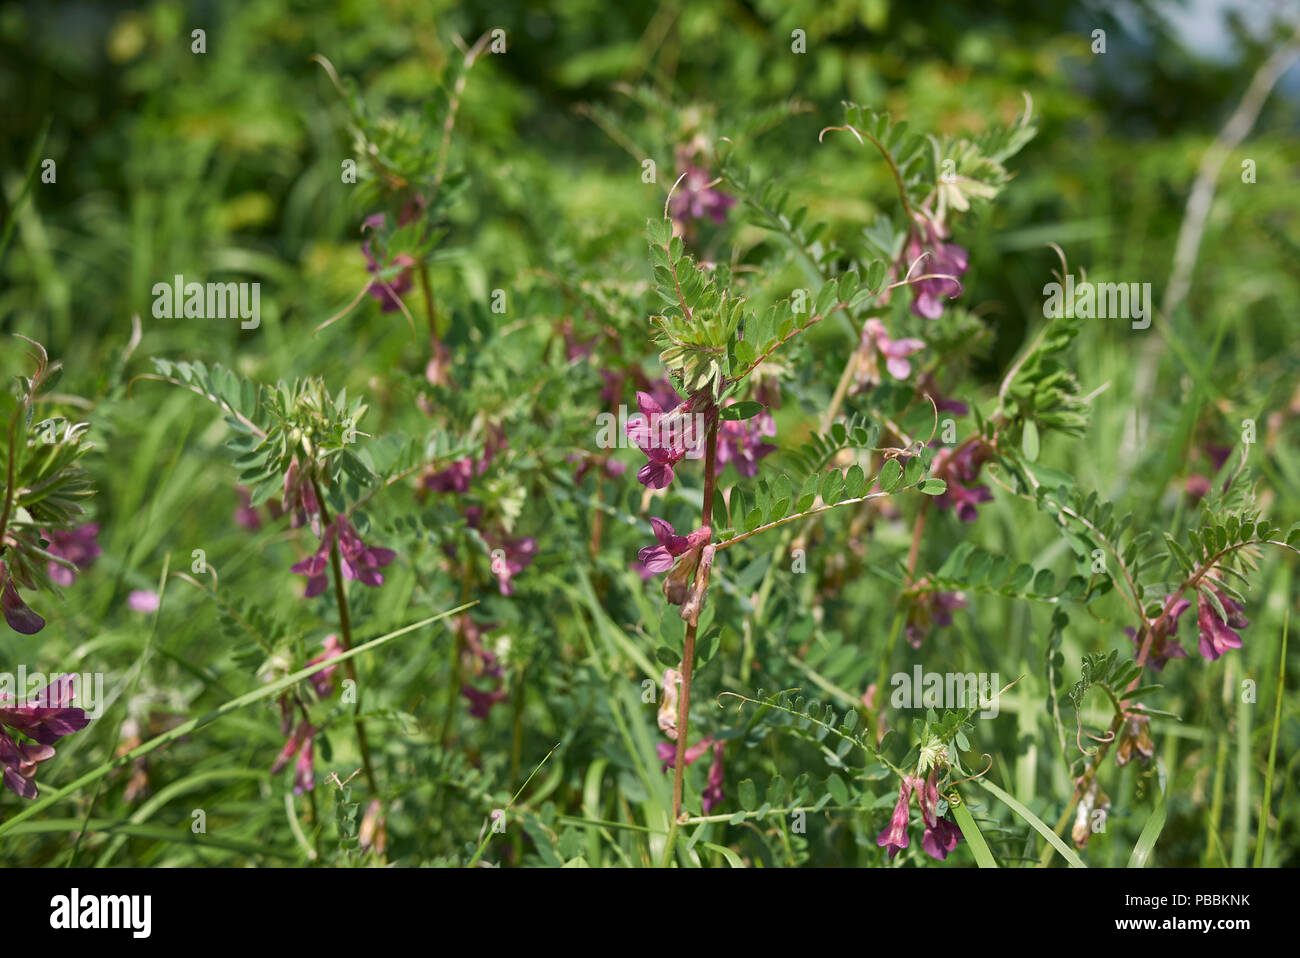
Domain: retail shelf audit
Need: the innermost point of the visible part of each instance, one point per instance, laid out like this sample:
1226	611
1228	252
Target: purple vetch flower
1218	636
894	837
299	499
875	345
17	615
511	557
930	608
301	743
713	795
323	681
78	546
660	558
387	293
481	660
480	702
741	441
143	600
360	562
941	835
608	467
47	718
666	436
667	751
696	197
1164	644
246	515
943	260
456	476
960	469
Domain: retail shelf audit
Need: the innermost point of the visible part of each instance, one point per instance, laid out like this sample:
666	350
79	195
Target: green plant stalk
688	651
1272	747
345	627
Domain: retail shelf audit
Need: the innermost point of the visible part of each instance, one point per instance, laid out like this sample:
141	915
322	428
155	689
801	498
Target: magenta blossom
46	721
713	795
894	837
876	345
17	615
741	441
246	515
302	743
930	608
387	293
78	546
143	600
1164	644
360	562
941	835
660	558
509	559
667	752
665	436
323	681
696	197
960	469
480	702
943	260
299	499
1218	636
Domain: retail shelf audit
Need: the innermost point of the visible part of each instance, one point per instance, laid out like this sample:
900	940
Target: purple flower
940	838
741	441
480	703
667	752
941	835
1164	644
510	558
78	546
19	617
712	796
1218	636
323	681
360	562
695	196
46	721
246	515
894	837
874	345
143	600
299	499
301	742
660	558
387	293
456	476
943	260
930	608
959	469
665	436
